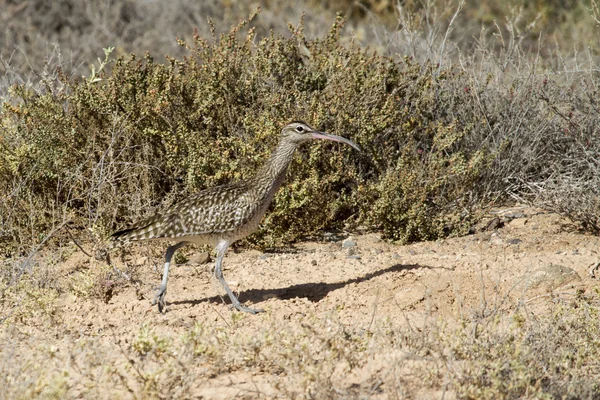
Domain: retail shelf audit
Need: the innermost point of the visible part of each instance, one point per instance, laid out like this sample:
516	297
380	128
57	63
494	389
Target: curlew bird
221	215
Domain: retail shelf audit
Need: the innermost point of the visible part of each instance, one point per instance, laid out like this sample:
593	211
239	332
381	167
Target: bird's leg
162	290
221	248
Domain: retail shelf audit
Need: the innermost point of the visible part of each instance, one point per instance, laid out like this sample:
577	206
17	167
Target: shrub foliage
109	150
438	143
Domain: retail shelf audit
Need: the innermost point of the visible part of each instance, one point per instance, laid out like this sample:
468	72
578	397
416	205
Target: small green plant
148	342
98	281
95	74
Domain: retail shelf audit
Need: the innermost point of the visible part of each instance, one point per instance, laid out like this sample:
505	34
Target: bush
111	149
440	142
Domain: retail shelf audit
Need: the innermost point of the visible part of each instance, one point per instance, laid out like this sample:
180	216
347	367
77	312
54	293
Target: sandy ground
358	281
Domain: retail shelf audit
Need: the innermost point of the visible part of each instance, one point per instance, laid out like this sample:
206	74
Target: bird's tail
144	230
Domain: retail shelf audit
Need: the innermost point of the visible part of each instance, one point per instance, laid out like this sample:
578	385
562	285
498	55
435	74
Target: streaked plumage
223	214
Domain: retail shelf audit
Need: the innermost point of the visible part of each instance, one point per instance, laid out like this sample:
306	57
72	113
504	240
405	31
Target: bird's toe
249	310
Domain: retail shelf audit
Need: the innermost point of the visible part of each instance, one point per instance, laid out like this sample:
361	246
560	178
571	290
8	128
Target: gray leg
162	290
221	248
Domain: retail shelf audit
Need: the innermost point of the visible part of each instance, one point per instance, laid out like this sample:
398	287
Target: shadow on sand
311	291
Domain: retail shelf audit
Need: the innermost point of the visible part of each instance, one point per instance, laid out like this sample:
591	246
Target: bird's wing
211	211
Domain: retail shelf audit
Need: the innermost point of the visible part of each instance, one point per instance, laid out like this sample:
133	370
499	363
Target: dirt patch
342	318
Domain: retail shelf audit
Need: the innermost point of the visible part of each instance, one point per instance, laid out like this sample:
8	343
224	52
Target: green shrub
439	143
110	150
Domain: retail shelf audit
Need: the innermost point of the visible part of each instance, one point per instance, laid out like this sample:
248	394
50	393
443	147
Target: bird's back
230	211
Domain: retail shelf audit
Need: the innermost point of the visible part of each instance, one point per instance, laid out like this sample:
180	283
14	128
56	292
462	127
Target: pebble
200	258
348	243
496	240
330	236
514	215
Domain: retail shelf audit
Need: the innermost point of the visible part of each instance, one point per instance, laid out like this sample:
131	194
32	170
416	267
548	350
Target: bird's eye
300	129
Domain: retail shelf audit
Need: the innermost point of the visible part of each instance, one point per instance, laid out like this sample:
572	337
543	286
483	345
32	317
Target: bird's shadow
313	291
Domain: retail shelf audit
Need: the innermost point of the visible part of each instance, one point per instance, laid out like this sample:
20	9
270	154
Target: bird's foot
238	306
160	299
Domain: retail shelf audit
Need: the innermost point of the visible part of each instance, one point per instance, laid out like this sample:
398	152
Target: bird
221	215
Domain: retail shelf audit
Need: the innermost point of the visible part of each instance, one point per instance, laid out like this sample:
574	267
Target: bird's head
299	132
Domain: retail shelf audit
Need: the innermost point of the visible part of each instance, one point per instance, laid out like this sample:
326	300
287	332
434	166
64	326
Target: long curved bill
335	138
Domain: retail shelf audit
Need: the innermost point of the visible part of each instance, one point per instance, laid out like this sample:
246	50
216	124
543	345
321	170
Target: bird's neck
271	175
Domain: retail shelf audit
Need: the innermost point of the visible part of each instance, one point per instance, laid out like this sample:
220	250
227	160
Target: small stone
552	276
200	258
496	240
348	243
493	224
412	252
396	256
514	241
334	246
520	222
514	215
313	262
354	257
330	237
264	257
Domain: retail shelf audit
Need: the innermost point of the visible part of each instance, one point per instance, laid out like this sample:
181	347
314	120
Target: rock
354	257
519	222
514	241
348	243
200	258
334	246
552	276
496	240
331	236
264	257
514	215
493	224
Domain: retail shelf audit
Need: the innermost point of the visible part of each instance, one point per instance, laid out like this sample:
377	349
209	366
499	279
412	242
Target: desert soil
357	281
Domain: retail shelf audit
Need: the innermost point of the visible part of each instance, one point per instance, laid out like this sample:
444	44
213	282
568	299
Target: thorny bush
439	144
